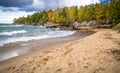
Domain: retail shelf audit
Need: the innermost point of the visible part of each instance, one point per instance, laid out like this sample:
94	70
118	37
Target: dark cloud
9	8
15	3
40	5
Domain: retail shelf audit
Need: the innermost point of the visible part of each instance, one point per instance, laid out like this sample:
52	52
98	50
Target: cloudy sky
10	9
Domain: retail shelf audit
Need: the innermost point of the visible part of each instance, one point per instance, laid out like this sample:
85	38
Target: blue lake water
11	33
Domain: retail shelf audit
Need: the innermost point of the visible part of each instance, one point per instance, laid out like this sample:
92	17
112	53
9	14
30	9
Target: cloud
10	9
15	3
39	5
8	16
69	3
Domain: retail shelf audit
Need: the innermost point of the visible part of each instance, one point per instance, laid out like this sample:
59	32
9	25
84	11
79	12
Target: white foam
61	33
13	32
11	25
19	25
22	39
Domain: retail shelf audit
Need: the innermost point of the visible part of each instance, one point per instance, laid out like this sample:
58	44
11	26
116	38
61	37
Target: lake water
11	33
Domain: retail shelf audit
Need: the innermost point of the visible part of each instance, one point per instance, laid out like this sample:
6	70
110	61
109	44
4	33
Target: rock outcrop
91	25
85	25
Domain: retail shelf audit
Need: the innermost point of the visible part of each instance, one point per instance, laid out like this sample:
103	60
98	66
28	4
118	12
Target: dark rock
109	21
107	24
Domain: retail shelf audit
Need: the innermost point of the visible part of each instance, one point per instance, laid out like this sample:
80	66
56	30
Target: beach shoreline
97	53
16	49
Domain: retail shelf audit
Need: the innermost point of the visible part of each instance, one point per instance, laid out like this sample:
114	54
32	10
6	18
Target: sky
10	9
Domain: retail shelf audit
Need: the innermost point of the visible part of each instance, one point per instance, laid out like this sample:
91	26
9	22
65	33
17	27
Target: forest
101	12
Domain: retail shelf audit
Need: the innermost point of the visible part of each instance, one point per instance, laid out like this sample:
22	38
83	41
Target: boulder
84	23
76	25
89	23
92	23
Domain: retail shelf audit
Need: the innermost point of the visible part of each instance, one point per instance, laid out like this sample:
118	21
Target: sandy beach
96	53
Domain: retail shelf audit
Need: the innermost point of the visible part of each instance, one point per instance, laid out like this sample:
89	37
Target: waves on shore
19	33
13	32
7	25
22	39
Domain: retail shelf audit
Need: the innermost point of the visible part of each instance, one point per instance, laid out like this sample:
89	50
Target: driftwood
84	28
104	26
51	25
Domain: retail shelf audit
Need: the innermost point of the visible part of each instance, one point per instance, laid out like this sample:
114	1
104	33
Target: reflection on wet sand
10	54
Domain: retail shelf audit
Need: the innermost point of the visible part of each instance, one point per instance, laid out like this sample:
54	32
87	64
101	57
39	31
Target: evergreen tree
76	13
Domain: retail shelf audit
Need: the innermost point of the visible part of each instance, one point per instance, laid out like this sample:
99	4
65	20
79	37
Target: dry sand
97	53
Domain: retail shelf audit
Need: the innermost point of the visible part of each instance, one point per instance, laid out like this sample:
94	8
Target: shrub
117	27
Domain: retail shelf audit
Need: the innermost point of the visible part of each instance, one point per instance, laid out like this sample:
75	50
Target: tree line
101	12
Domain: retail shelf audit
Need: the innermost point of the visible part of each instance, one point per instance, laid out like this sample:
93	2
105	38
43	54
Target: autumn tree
101	12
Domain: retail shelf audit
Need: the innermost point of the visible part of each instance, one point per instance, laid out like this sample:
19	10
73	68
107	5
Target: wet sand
97	53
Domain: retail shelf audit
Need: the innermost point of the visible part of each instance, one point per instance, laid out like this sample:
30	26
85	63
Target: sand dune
97	53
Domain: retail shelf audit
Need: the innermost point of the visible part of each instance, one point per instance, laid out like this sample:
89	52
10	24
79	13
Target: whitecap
23	39
19	25
8	25
13	32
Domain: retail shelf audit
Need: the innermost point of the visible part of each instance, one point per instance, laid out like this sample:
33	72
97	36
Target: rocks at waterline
51	25
85	25
91	25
